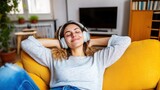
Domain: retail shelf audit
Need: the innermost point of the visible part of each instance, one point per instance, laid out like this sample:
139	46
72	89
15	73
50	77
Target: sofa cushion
138	68
33	67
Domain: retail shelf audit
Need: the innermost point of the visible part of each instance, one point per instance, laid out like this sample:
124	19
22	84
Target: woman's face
73	36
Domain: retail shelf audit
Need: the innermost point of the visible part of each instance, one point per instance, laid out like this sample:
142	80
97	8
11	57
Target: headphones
63	43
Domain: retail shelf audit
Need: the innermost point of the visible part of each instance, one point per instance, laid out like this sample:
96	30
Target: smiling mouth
75	40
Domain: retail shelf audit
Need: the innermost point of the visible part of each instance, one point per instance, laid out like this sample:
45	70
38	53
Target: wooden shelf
155	29
153	37
158	12
155	20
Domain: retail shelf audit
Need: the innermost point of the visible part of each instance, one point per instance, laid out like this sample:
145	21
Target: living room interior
62	11
139	67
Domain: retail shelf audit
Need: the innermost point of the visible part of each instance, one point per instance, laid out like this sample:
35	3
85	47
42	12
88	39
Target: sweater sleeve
115	49
37	51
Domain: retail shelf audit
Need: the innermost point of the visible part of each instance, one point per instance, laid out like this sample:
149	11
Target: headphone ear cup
63	43
86	36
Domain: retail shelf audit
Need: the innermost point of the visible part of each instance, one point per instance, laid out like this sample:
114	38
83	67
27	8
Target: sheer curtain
39	6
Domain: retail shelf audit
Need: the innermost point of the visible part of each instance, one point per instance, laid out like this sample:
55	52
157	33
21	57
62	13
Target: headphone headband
59	32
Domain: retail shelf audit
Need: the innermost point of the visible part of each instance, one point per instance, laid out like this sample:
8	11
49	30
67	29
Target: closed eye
77	31
67	34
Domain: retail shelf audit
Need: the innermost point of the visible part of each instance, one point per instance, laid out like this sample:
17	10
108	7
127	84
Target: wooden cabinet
140	25
144	19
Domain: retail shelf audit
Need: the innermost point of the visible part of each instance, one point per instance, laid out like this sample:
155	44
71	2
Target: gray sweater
84	72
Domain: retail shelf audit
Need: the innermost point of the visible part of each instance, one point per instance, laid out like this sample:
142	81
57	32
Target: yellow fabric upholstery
41	84
137	69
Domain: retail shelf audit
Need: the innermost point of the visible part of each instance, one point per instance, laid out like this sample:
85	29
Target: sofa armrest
40	74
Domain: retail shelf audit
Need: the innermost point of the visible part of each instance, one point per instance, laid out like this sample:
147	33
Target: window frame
26	15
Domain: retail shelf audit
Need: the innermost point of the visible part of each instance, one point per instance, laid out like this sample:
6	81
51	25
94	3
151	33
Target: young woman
74	54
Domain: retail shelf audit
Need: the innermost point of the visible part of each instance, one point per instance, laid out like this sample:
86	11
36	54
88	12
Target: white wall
59	10
73	11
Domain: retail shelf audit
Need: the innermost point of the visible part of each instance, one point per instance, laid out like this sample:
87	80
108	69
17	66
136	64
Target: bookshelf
144	19
155	30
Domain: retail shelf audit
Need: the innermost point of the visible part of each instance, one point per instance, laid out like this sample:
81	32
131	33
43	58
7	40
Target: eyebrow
70	31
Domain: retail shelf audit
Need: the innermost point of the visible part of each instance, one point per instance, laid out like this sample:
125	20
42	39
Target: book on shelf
144	5
158	5
151	5
155	5
134	6
140	5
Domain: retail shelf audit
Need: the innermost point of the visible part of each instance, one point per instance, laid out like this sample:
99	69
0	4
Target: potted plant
6	28
21	20
33	19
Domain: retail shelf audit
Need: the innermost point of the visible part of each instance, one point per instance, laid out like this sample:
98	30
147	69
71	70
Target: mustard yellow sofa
137	69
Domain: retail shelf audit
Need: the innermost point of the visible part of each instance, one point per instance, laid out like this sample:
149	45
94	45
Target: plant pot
21	21
8	57
34	21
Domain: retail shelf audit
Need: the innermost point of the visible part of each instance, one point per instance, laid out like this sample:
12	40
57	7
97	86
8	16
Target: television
98	17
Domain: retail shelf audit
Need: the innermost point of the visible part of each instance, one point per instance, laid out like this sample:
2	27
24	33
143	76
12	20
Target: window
20	8
41	8
38	6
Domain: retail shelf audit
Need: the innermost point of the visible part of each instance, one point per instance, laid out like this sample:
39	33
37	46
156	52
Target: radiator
44	30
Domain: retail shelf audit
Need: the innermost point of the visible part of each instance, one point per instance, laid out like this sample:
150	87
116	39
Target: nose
73	34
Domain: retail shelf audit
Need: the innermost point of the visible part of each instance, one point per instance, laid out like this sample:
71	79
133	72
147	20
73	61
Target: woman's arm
99	41
115	48
37	51
50	42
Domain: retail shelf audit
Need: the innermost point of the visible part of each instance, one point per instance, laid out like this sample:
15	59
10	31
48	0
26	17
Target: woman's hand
50	42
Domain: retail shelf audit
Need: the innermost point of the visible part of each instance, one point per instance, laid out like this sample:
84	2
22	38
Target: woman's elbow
128	40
